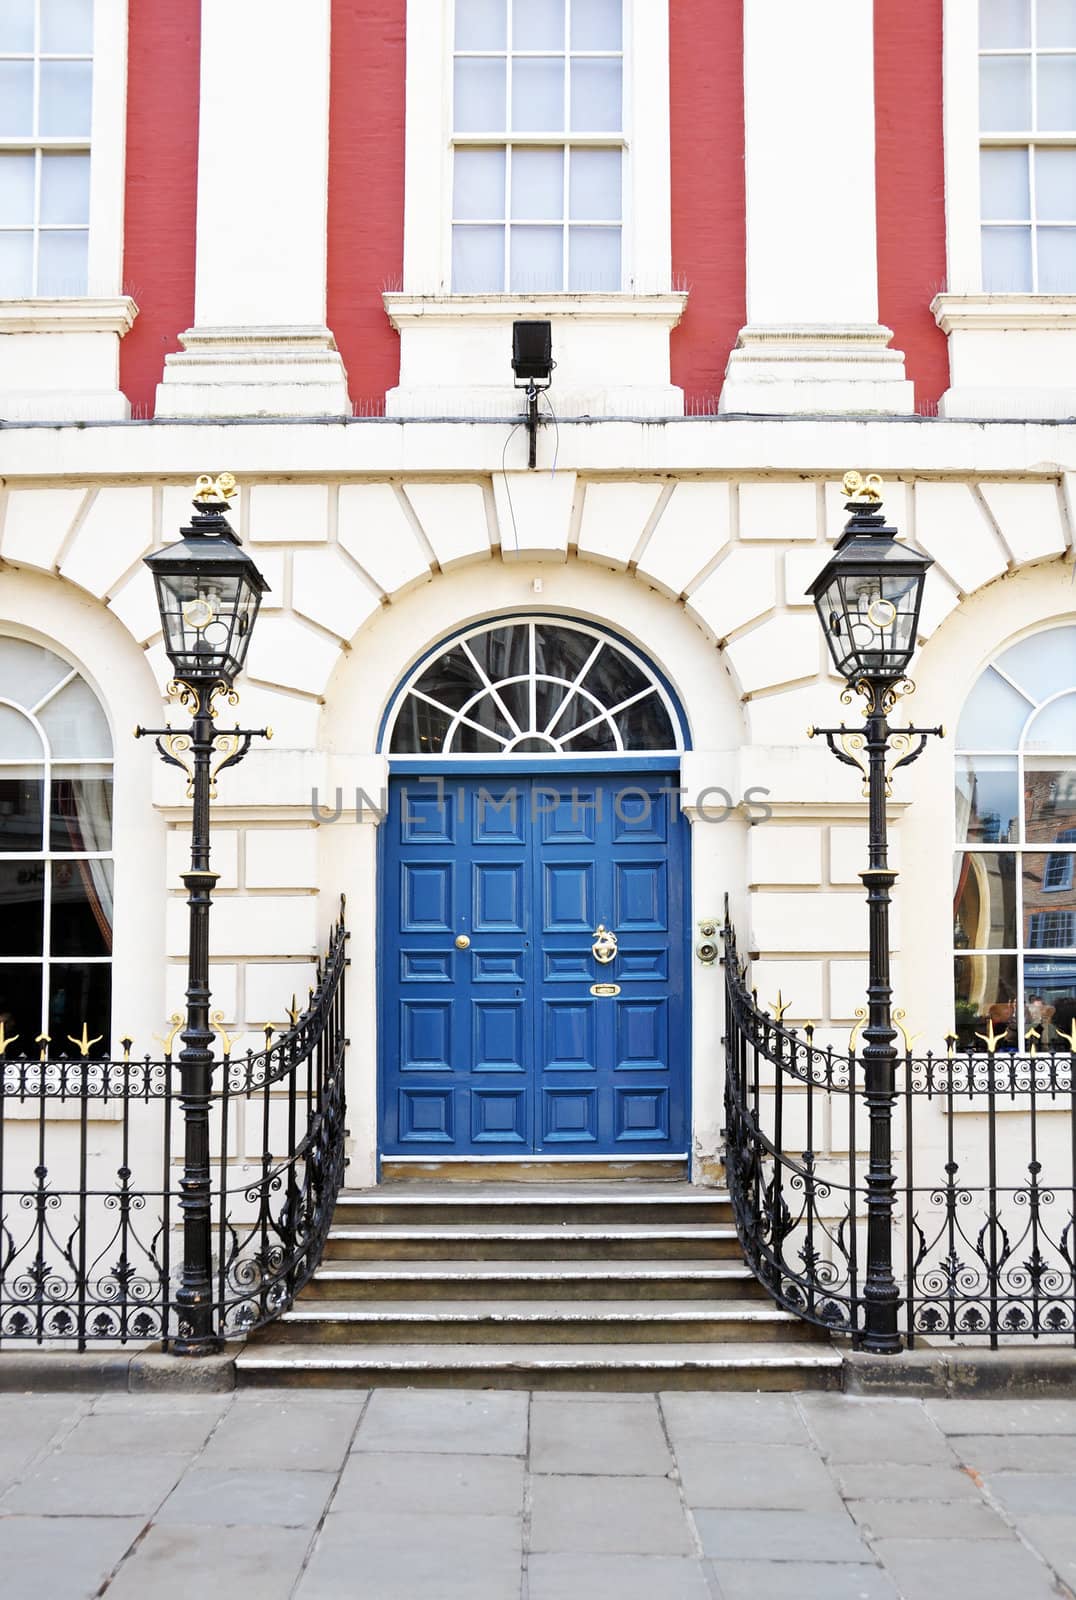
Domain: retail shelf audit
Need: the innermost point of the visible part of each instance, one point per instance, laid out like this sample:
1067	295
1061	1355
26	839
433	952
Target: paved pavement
450	1495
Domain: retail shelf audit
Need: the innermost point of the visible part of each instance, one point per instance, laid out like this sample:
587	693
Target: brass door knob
462	942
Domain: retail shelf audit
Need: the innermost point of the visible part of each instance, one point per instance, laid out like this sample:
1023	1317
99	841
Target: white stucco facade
693	539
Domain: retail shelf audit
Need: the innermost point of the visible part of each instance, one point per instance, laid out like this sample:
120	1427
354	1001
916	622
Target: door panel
502	1045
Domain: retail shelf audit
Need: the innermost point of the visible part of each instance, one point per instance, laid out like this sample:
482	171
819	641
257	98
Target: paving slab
1055	1540
445	1485
848	1429
407	1556
613	1515
458	1422
1015	1452
171	1563
164	1405
613	1577
733	1418
268	1497
801	1580
764	1475
929	1519
37	1560
127	1485
607	1438
1035	1417
992	1569
905	1483
1051	1494
314	1438
181	1433
773	1536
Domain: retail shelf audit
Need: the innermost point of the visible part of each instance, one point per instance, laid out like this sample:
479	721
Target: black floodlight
869	593
208	590
532	353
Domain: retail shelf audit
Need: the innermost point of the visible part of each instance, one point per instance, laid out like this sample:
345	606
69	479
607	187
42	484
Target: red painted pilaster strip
366	189
910	176
161	197
709	240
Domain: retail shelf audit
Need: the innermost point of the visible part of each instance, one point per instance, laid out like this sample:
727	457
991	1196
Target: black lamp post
208	593
868	597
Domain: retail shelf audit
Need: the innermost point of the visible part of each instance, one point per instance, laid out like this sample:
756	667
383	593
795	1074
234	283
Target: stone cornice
408	309
1048	313
86	315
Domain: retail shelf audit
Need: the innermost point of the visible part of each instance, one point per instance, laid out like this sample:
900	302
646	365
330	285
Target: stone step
534	1169
613	1367
380	1280
518	1204
460	1242
549	1321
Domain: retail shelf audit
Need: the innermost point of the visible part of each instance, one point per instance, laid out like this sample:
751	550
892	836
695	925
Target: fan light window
534	688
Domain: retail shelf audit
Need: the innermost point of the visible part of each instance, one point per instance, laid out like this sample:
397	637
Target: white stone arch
382	654
80	629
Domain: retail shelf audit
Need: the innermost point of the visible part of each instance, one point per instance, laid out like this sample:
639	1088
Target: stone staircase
575	1286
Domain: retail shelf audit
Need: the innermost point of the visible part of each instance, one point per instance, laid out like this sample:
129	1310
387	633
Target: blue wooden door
501	1033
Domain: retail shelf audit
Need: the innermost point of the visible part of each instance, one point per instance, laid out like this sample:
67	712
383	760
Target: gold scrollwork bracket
860	1014
5	1039
216	1021
177	1021
848	745
908	1038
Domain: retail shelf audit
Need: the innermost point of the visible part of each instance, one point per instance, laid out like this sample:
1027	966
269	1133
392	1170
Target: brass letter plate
605	988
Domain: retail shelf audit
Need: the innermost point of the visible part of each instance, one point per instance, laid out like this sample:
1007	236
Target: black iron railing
982	1217
89	1251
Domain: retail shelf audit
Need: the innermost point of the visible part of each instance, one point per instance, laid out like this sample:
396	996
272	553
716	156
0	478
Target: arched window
55	855
1014	900
534	687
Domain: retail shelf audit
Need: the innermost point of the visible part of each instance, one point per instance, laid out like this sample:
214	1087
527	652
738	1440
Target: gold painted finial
779	1007
992	1037
84	1044
215	491
863	489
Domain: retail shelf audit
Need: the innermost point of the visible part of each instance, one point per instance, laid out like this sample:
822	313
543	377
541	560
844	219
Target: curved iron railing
87	1249
985	1155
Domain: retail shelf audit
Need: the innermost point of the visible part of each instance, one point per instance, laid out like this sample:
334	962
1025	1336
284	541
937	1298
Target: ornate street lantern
868	597
208	590
208	593
869	593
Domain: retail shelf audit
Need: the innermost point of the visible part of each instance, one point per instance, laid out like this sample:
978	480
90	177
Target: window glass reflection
81	907
22	907
985	990
21	821
80	993
987	803
984	900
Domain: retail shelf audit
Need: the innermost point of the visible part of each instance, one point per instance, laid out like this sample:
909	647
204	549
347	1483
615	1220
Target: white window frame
47	857
107	147
430	140
963	142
